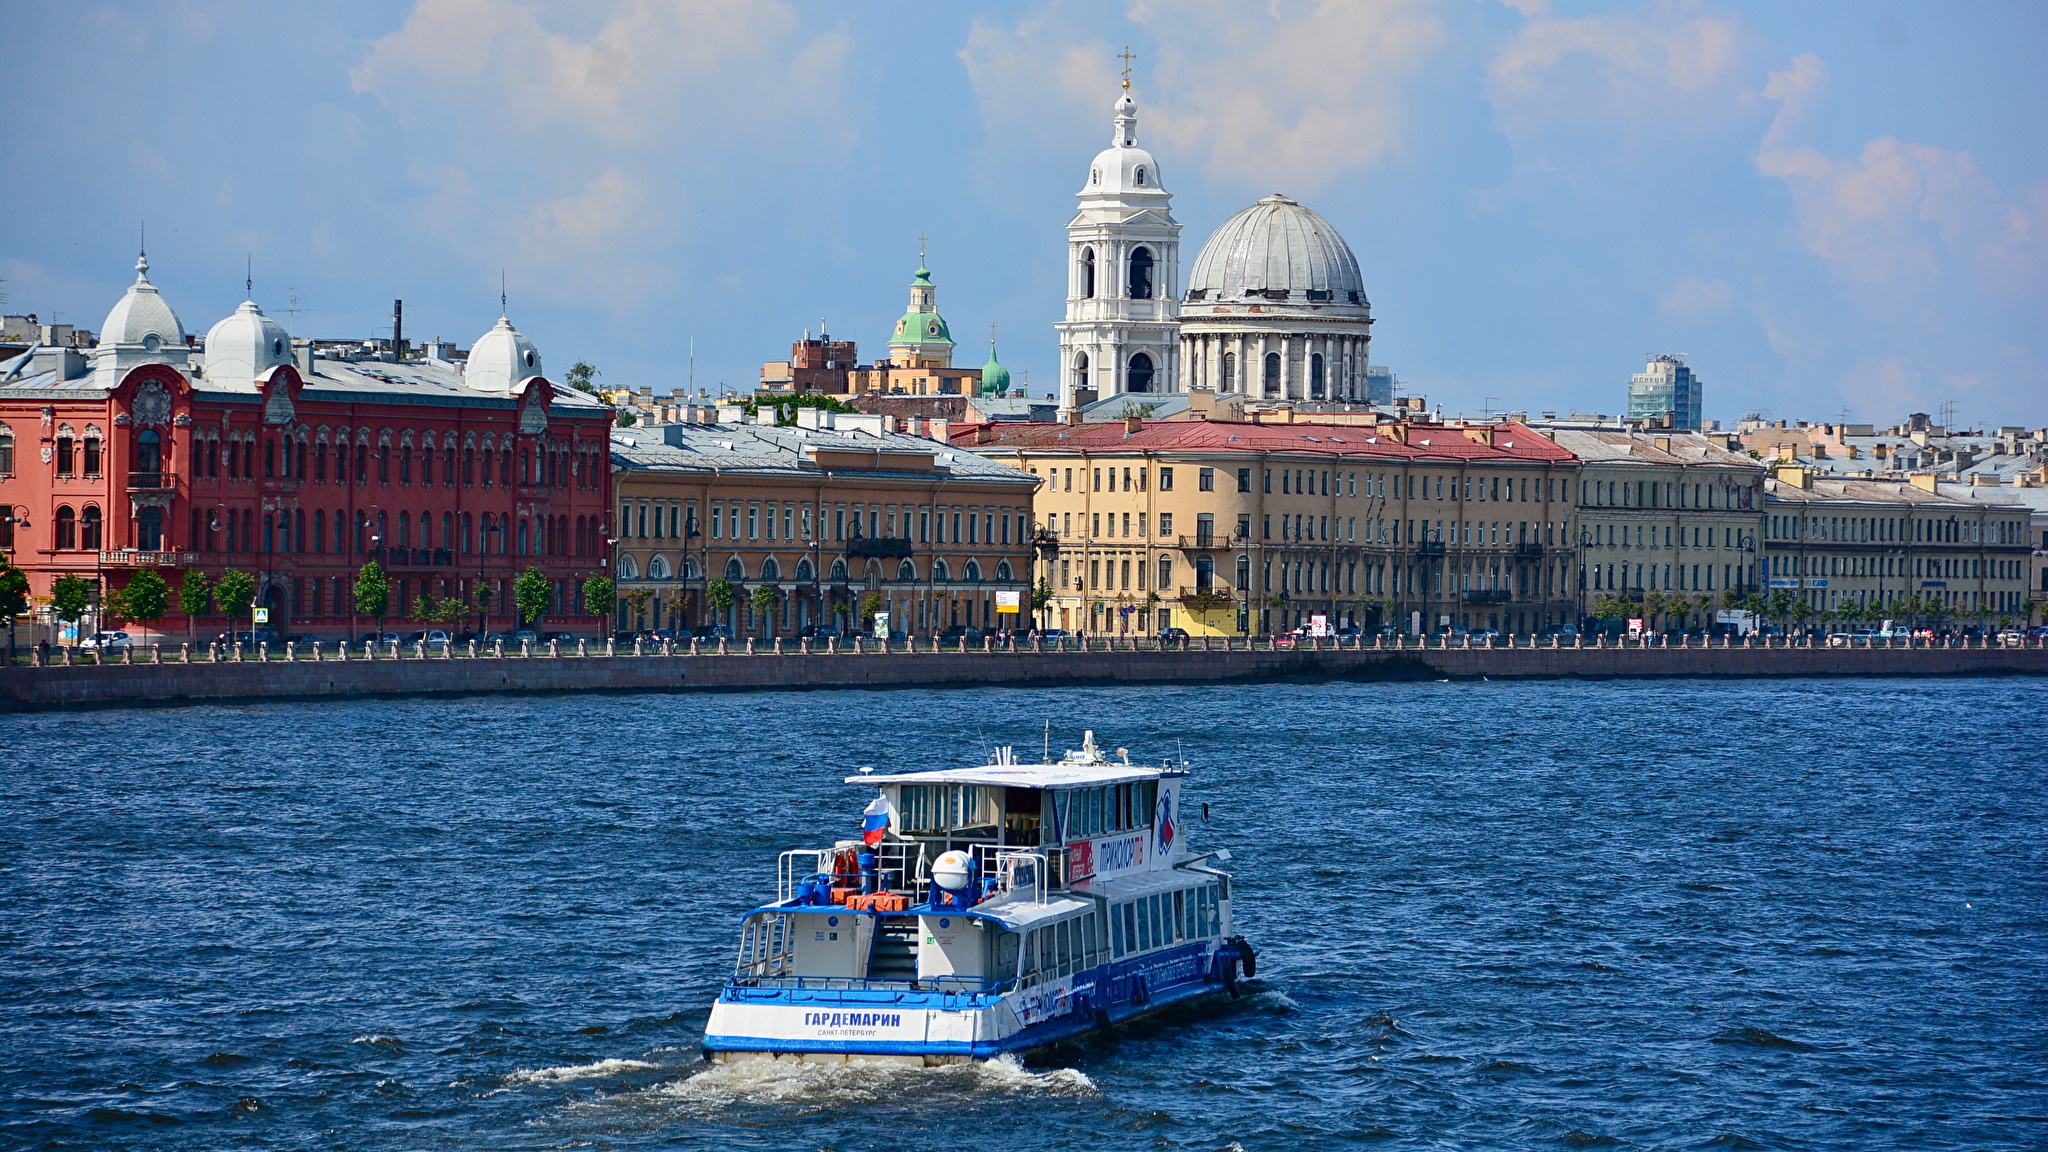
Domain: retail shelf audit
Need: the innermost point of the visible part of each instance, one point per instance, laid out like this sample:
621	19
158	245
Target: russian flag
874	821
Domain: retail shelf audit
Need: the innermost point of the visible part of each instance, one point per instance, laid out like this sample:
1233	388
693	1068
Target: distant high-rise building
1380	383
1665	388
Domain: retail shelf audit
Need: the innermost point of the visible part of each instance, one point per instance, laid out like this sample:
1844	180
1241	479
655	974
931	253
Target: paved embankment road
118	683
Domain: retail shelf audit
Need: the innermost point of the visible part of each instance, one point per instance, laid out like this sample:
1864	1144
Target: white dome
500	359
1123	168
142	317
245	345
1280	251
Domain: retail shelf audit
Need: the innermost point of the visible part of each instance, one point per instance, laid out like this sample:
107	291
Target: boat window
1182	928
1006	956
1027	969
1129	943
1064	935
1145	937
942	808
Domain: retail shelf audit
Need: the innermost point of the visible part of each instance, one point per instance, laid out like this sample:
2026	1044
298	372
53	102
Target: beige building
839	518
1227	528
1843	544
1664	511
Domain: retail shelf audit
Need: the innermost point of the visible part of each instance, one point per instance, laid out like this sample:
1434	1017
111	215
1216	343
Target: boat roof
1065	775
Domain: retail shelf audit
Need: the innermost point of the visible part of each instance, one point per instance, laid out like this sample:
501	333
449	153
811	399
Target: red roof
1511	441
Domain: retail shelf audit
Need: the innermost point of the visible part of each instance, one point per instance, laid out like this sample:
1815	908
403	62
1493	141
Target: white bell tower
1122	329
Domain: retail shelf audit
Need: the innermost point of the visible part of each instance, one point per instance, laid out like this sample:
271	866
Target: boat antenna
1048	743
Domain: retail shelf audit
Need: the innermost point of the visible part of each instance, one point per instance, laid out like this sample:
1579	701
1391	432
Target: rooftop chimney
1133	424
398	329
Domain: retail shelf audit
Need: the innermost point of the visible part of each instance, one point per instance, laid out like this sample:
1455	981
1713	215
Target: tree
234	590
600	596
719	593
1041	597
762	602
69	597
533	593
637	601
146	598
869	605
786	406
13	599
373	593
195	599
582	377
628	417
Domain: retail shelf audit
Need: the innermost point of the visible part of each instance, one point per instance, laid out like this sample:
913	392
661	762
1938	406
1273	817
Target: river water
1631	915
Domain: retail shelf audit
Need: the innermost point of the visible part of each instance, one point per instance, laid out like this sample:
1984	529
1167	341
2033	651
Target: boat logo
1165	821
854	1019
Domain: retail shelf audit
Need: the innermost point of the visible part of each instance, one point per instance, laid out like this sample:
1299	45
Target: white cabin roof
1067	775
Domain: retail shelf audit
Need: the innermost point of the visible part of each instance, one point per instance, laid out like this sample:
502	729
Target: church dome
995	379
1124	169
142	317
500	359
245	345
1277	250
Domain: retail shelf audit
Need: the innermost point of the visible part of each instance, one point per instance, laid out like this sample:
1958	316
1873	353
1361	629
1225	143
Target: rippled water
1672	915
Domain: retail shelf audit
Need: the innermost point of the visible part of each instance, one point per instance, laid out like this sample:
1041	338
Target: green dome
995	379
922	328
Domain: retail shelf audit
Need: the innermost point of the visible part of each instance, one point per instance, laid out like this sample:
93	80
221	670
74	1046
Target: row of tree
147	597
1677	609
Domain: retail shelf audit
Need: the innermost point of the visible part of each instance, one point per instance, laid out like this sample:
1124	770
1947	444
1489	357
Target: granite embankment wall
120	684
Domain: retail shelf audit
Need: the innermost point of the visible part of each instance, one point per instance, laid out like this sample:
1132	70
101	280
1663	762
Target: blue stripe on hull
1115	975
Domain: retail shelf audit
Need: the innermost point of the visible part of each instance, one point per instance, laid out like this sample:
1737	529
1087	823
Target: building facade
1664	512
248	453
1233	528
838	518
1665	394
1865	549
1120	332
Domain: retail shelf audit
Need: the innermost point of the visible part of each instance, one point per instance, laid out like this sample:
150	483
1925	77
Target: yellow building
1228	528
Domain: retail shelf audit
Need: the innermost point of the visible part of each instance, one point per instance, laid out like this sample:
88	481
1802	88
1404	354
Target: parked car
1173	635
817	632
1485	635
427	636
377	638
107	641
960	633
1055	635
713	633
564	637
247	638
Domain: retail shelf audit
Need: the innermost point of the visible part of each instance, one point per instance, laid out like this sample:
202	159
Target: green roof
995	379
922	328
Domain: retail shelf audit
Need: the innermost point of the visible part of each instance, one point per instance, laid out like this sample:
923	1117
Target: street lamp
609	562
11	522
483	549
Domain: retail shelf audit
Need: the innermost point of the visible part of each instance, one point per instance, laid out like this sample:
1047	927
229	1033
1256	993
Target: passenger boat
987	910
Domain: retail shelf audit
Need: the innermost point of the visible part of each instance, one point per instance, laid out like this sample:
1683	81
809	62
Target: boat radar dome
952	870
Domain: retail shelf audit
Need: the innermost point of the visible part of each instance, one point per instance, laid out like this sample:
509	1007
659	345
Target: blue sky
1828	207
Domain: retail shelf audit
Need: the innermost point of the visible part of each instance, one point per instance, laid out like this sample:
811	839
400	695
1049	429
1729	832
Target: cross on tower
920	247
991	335
1127	57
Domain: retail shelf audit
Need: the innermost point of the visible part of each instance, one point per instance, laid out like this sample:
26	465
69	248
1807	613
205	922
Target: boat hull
878	1024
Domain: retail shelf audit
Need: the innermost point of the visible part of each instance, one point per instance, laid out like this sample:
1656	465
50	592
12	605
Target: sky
1829	208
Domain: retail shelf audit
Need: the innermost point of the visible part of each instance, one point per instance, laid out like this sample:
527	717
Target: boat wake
765	1082
594	1070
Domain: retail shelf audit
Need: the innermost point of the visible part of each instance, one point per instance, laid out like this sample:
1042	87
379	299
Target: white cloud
547	147
1693	298
1290	94
1665	67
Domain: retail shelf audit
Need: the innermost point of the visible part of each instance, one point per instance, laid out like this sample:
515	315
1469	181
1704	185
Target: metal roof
759	448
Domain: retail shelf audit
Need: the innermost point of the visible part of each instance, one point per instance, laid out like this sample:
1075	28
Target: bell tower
1122	328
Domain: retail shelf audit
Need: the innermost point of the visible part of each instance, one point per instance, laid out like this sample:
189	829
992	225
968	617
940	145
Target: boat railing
1016	870
962	985
900	866
795	864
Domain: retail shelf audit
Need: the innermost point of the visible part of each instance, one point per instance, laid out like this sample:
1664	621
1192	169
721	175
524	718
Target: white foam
576	1072
376	1038
754	1082
1275	999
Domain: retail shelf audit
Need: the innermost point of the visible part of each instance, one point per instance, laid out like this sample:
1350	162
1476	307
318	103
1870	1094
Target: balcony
415	557
148	481
131	558
1203	540
879	547
1214	595
1429	548
1490	596
1528	551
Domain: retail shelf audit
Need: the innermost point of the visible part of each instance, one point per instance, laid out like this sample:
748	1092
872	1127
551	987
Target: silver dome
1277	250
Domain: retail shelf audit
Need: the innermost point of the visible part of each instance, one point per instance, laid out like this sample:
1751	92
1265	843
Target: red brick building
250	451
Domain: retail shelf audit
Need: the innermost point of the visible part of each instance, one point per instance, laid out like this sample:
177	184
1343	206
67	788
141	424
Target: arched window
89	537
1088	273
839	571
906	572
1081	370
940	573
92	452
1141	176
1003	570
1229	372
734	570
1272	373
405	529
67	528
628	569
149	456
1141	274
6	452
689	568
1315	375
804	571
770	570
1140	377
973	572
149	530
657	568
1094	176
